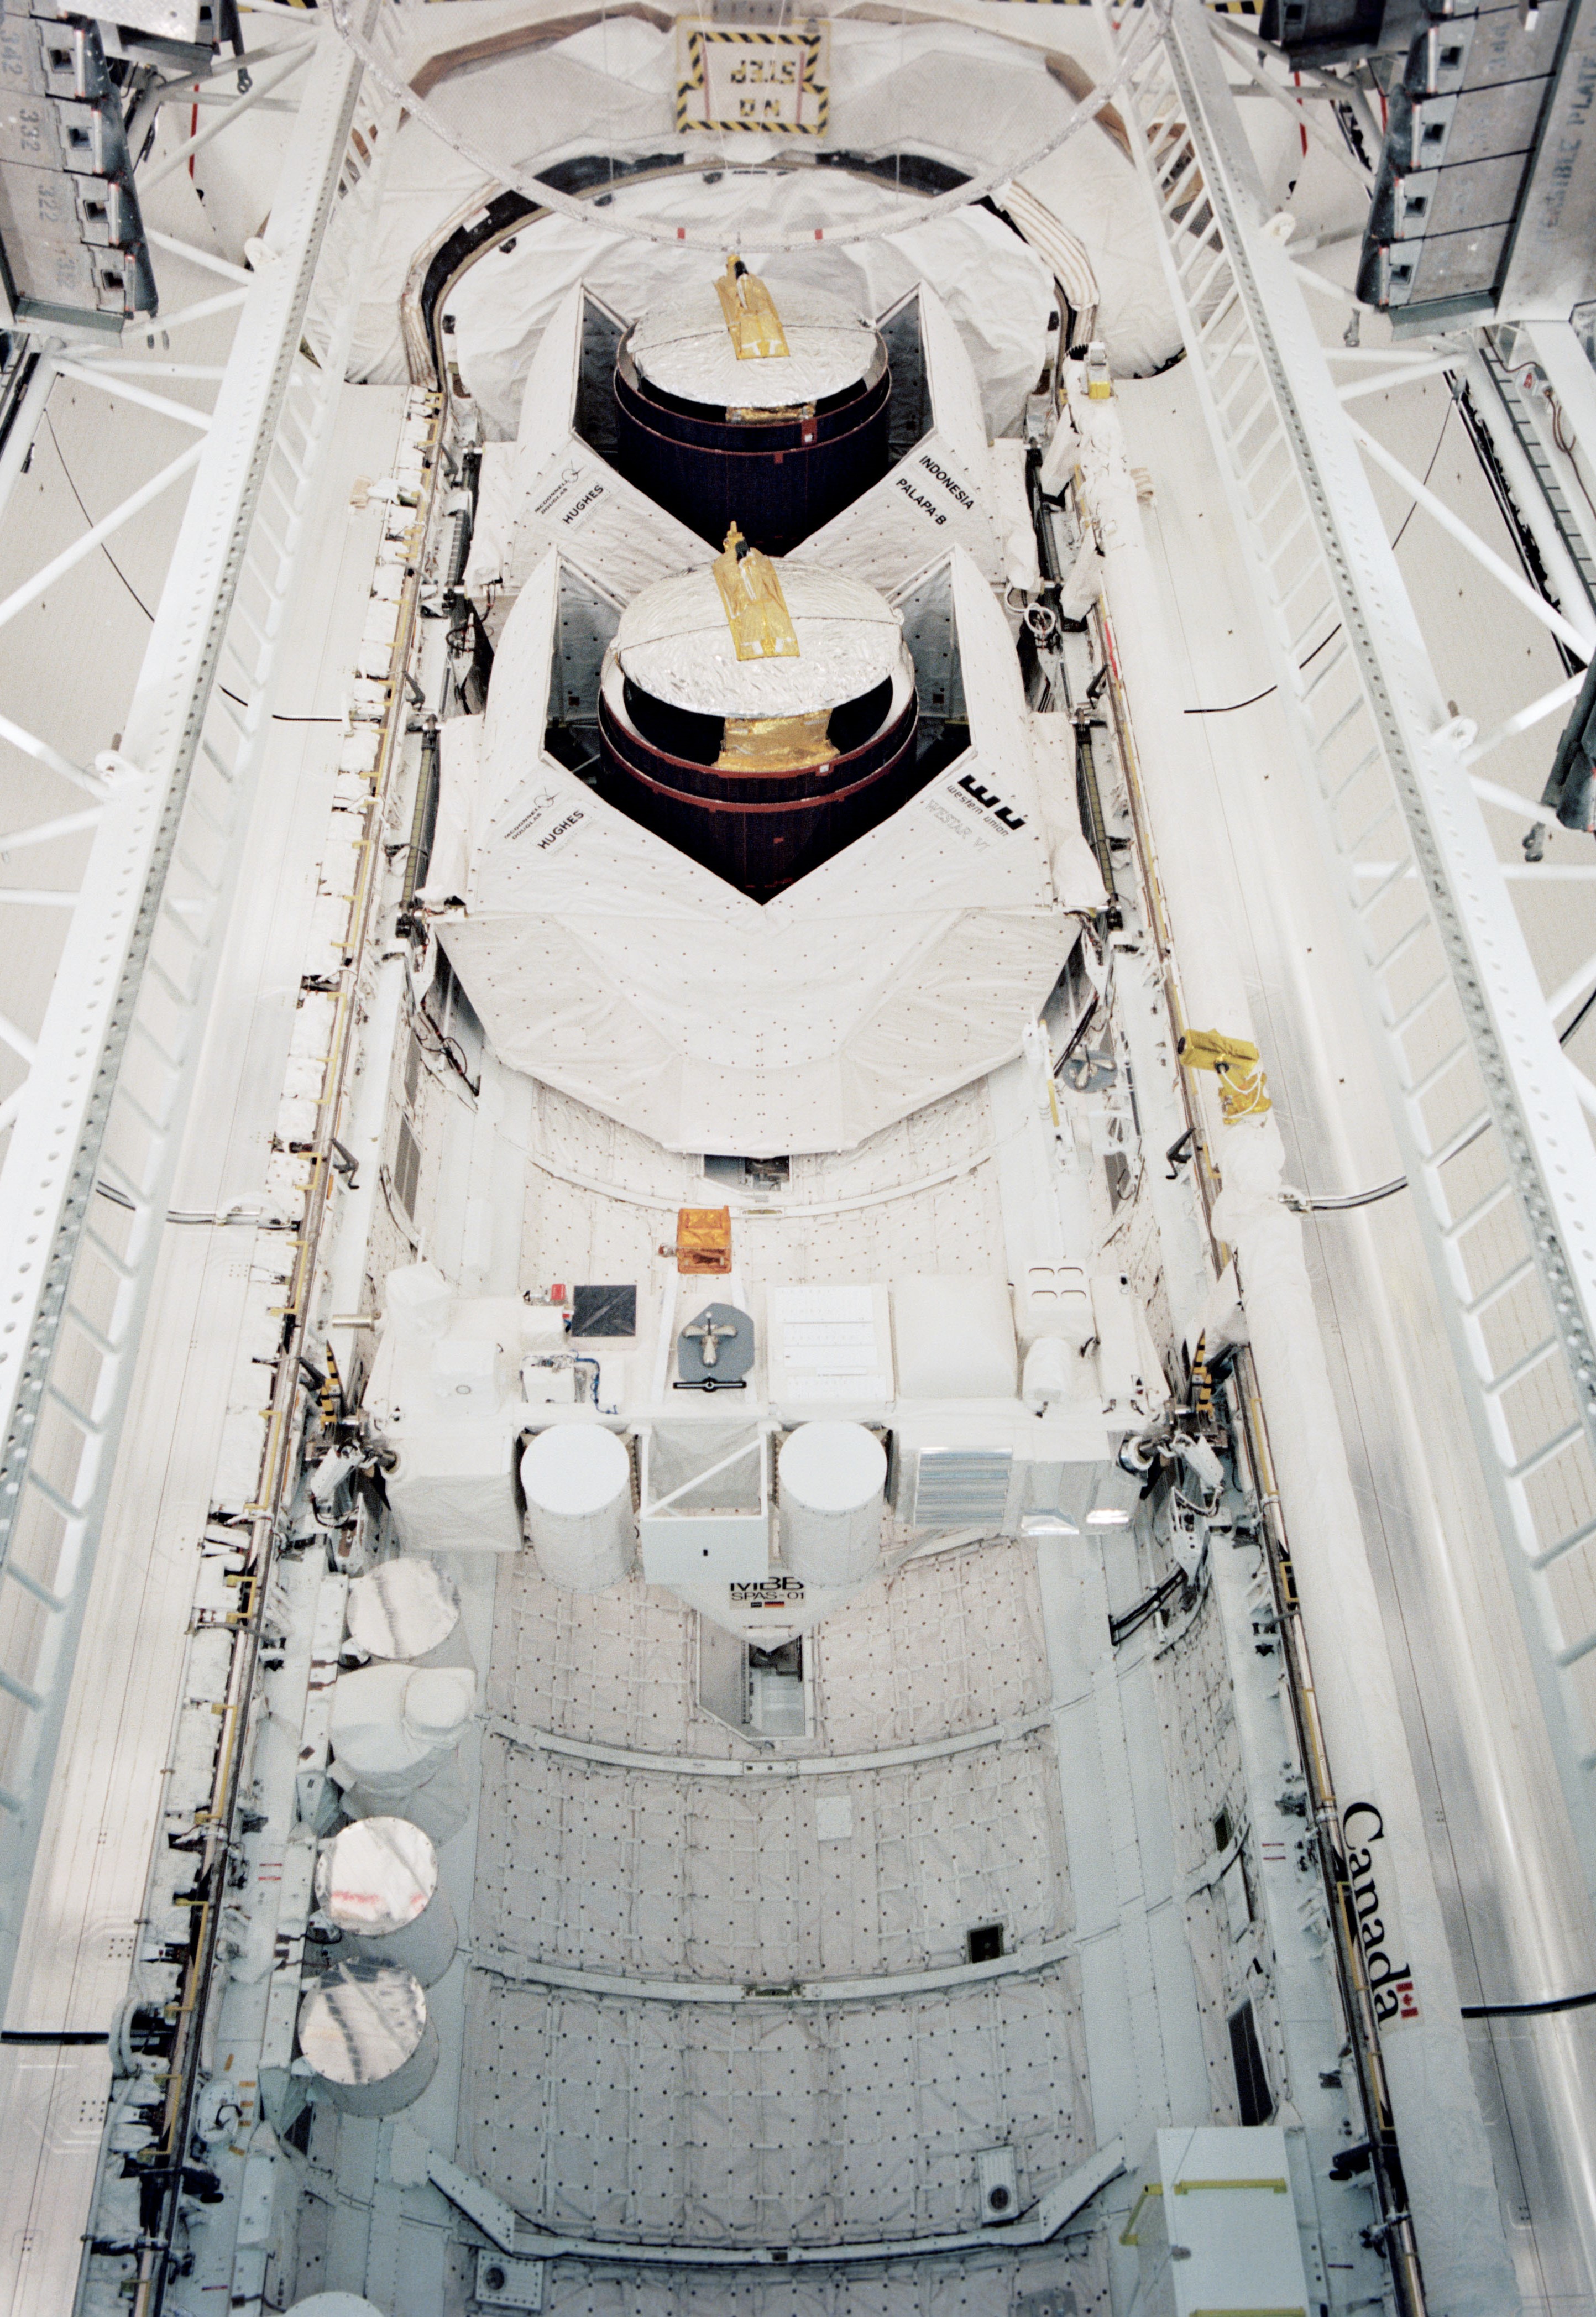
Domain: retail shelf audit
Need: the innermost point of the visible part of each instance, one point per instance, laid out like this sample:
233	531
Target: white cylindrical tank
377	1882
406	1608
577	1479
832	1478
365	2031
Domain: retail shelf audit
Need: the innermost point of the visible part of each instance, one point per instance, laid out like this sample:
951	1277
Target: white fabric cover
451	1490
419	1296
1090	187
997	291
440	1805
611	966
833	1486
954	1338
1052	1372
392	1725
577	1479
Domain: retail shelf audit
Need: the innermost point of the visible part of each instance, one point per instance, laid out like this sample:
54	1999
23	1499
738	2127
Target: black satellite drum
757	716
730	409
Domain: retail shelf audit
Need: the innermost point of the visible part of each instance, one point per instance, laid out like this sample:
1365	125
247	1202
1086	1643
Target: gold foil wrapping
775	744
756	609
756	327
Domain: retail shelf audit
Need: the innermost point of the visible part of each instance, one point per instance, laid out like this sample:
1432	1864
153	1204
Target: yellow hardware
775	744
332	1391
768	415
1128	2236
756	609
1210	1050
750	313
1202	1382
1234	1062
1193	2188
1100	385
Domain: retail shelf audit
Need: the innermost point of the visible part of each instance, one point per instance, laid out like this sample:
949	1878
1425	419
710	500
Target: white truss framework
1486	1106
97	1123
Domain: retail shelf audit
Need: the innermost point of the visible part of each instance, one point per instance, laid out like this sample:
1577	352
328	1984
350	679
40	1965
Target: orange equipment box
702	1239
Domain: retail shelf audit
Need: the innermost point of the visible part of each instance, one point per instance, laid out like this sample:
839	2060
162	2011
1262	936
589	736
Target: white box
705	1510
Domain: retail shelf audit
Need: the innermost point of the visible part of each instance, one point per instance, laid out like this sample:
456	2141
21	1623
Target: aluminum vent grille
956	1488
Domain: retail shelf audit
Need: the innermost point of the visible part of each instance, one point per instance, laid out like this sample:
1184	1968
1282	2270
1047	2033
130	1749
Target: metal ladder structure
1486	1107
96	1125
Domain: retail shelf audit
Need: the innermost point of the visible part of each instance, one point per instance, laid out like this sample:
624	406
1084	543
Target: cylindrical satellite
410	1609
394	1732
727	410
365	2028
832	1483
758	716
577	1479
377	1882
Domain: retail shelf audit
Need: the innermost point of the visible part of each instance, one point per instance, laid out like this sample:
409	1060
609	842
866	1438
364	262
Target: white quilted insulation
685	348
751	2124
674	641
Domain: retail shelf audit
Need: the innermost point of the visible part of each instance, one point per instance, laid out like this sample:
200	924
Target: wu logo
989	803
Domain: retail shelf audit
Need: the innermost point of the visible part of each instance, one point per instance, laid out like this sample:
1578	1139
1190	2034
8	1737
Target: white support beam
42	581
76	1095
1578	985
1523	807
105	367
48	832
1516	585
93	374
1326	289
42	753
200	311
1401	375
268	81
1562	695
205	258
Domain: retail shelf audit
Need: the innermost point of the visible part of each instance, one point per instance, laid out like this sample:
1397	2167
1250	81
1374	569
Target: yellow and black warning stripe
692	81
